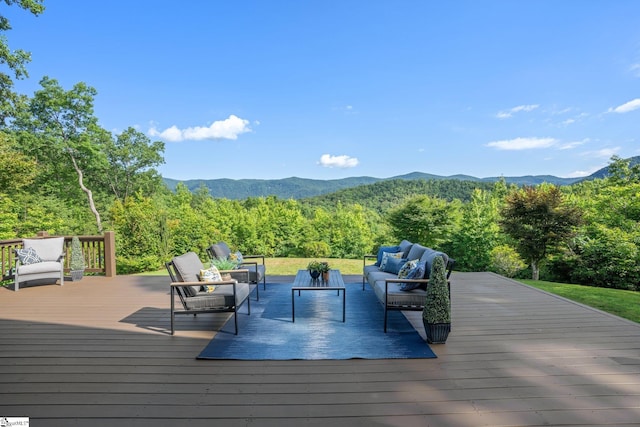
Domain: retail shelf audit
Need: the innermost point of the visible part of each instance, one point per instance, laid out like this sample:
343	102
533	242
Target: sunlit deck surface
98	353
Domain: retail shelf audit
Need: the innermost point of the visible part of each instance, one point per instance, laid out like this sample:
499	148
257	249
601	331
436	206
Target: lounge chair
228	295
40	259
257	271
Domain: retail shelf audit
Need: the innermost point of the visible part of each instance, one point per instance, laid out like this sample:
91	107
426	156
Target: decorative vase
314	274
437	333
76	275
325	276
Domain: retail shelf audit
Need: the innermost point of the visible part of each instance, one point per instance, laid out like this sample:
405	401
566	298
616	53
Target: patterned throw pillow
28	256
211	274
407	267
415	273
385	258
237	258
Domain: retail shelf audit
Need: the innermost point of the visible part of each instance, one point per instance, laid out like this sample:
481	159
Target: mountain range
300	188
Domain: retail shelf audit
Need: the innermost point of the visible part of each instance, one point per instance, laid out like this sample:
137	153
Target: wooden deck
98	353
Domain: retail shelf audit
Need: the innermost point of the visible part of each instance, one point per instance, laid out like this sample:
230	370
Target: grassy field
290	266
615	301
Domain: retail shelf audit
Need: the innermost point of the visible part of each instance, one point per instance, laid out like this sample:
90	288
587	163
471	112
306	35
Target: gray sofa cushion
416	252
405	246
427	258
399	298
221	297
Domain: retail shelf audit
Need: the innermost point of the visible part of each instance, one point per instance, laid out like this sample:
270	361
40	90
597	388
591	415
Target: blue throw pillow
383	249
393	265
415	273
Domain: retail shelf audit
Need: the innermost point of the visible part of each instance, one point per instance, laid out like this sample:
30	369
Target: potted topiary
77	260
436	314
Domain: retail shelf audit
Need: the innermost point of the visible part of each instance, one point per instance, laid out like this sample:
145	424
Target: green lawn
290	266
615	301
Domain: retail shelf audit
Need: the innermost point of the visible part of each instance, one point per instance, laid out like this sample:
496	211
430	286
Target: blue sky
328	89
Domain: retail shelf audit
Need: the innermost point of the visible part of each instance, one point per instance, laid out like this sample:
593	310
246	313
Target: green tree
15	61
16	169
141	230
538	220
62	129
132	159
424	220
479	232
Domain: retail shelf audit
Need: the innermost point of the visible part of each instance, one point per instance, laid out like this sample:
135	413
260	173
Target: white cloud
329	161
572	144
626	107
635	69
229	128
605	153
522	143
509	113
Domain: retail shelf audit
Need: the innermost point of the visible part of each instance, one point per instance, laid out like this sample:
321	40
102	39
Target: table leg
293	306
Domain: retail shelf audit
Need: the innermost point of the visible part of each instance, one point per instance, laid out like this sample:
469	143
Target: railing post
110	253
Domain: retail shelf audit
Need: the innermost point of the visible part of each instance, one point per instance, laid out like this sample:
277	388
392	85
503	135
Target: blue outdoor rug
318	332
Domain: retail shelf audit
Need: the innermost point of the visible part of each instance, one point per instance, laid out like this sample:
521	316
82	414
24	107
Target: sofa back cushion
416	251
405	247
428	256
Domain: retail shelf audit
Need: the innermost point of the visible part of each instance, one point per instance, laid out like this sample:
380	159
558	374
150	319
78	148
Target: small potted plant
436	314
324	270
77	260
224	264
315	269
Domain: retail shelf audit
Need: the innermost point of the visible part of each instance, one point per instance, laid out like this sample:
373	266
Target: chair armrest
253	256
185	284
366	257
236	272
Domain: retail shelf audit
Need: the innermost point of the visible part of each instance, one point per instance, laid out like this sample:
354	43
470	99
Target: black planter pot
437	333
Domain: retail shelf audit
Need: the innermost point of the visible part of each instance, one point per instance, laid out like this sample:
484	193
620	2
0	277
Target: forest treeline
61	172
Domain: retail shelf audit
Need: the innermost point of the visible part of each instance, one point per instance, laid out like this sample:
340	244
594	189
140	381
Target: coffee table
304	282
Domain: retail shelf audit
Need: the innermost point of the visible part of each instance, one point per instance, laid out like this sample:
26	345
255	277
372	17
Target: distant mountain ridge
299	188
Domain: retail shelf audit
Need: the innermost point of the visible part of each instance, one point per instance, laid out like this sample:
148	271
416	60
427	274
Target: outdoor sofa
407	292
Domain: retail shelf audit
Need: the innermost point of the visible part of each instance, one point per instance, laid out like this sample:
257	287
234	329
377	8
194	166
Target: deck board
98	352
